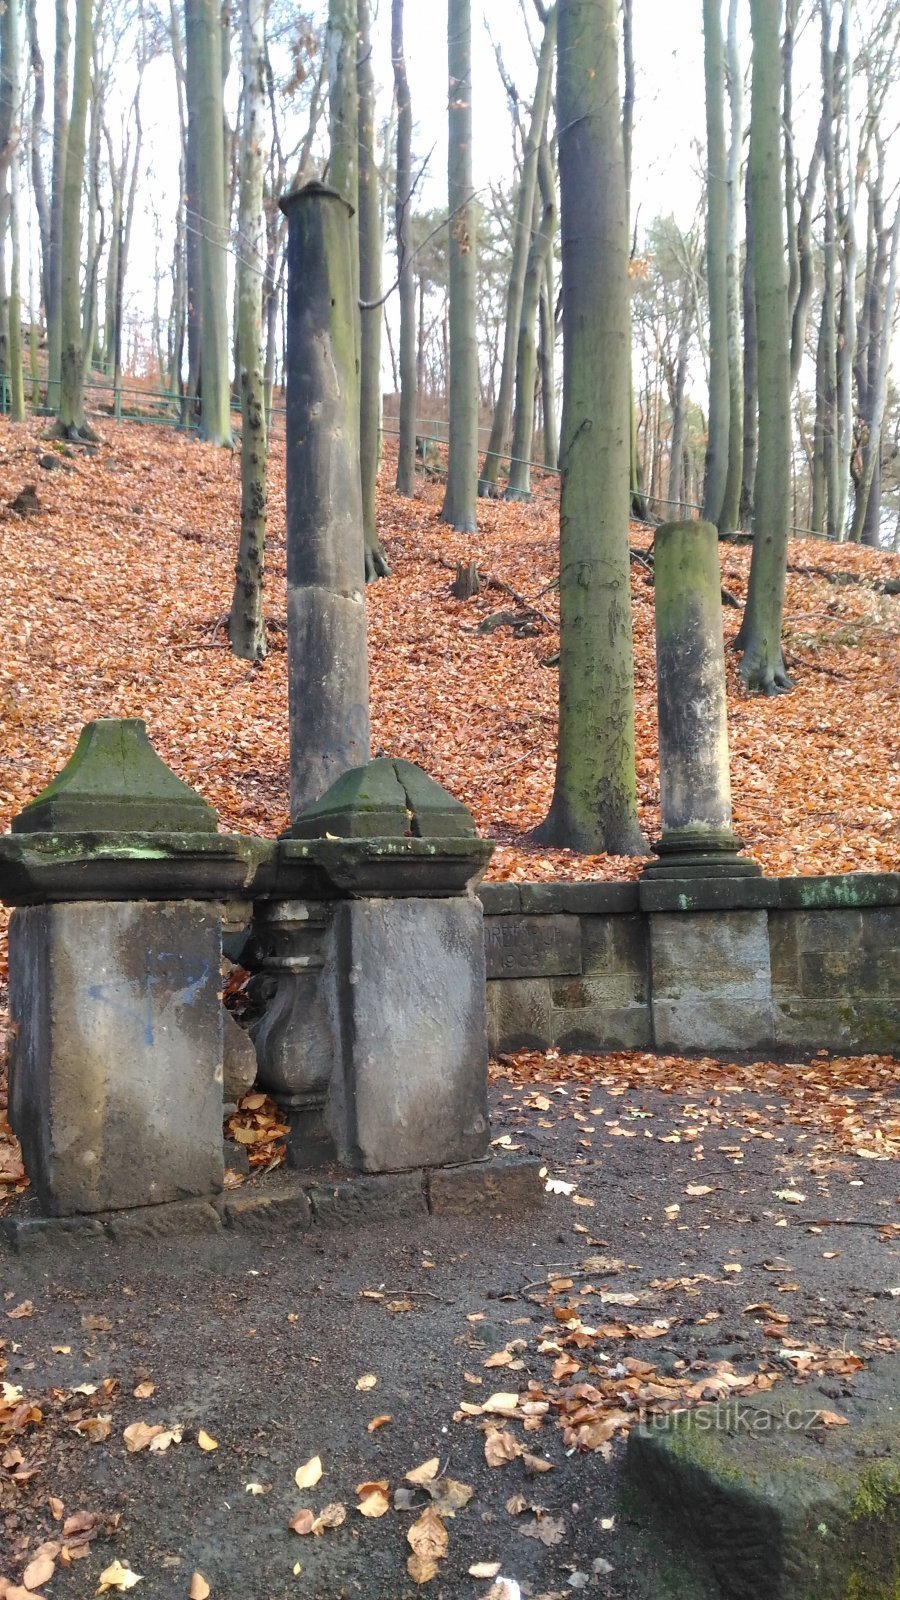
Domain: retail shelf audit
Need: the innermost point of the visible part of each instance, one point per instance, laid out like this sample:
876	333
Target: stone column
116	1062
694	782
327	665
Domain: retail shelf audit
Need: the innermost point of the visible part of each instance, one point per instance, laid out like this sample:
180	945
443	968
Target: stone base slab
759	1499
297	1202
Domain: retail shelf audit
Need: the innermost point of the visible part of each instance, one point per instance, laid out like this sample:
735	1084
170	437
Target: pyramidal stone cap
114	782
385	799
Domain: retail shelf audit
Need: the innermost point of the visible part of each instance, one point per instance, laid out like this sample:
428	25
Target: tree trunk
462	470
57	184
71	388
880	388
38	184
10	97
751	386
762	666
847	330
716	475
204	49
547	358
521	247
370	252
731	502
246	623
594	805
519	487
406	455
827	390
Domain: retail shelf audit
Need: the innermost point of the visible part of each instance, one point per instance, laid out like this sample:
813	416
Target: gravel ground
261	1341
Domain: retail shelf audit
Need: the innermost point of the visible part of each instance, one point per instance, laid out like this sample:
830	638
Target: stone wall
796	964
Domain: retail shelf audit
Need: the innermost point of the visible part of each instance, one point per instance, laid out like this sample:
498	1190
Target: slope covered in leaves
116	586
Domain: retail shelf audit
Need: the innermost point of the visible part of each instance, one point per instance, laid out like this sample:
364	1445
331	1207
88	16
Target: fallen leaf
428	1537
421	1568
367	1381
302	1522
698	1189
118	1577
95	1428
331	1516
199	1589
501	1447
792	1197
144	1390
95	1324
307	1476
536	1463
257	1488
61	1349
374	1500
424	1473
550	1530
163	1439
448	1496
38	1572
138	1435
379	1422
830	1419
206	1442
484	1569
501	1405
26	1309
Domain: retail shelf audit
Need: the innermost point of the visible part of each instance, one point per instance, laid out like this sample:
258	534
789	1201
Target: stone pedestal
116	1063
116	1058
406	987
694	781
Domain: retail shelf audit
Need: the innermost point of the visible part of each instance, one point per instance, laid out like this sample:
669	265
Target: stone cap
115	782
385	799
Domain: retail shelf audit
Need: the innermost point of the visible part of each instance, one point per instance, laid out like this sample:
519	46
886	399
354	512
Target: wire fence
167	408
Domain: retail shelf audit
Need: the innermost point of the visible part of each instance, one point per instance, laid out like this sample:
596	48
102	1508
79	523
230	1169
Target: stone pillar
327	664
368	950
115	951
694	782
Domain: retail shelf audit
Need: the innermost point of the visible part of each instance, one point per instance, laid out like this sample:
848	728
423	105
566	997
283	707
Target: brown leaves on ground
850	1101
258	1126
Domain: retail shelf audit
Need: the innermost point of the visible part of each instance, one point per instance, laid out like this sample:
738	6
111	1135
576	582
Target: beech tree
10	138
594	805
759	638
71	421
246	624
716	265
462	470
204	49
406	283
522	243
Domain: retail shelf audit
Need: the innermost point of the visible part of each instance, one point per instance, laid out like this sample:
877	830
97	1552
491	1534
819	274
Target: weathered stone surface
499	899
406	994
52	1233
843	1024
163	1222
721	893
599	898
532	947
756	1500
116	1061
264	1213
711	980
488	1188
387	1197
615	954
518	1014
841	889
115	782
235	1157
238	1059
291	1034
584	1017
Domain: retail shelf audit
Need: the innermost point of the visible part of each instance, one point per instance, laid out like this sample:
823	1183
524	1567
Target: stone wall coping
832	891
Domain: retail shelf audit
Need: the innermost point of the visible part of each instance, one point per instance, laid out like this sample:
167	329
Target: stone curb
496	1187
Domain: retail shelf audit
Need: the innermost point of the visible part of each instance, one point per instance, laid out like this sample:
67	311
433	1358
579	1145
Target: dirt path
262	1340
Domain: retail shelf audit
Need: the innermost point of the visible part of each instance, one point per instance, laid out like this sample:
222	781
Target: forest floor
714	1225
117	582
